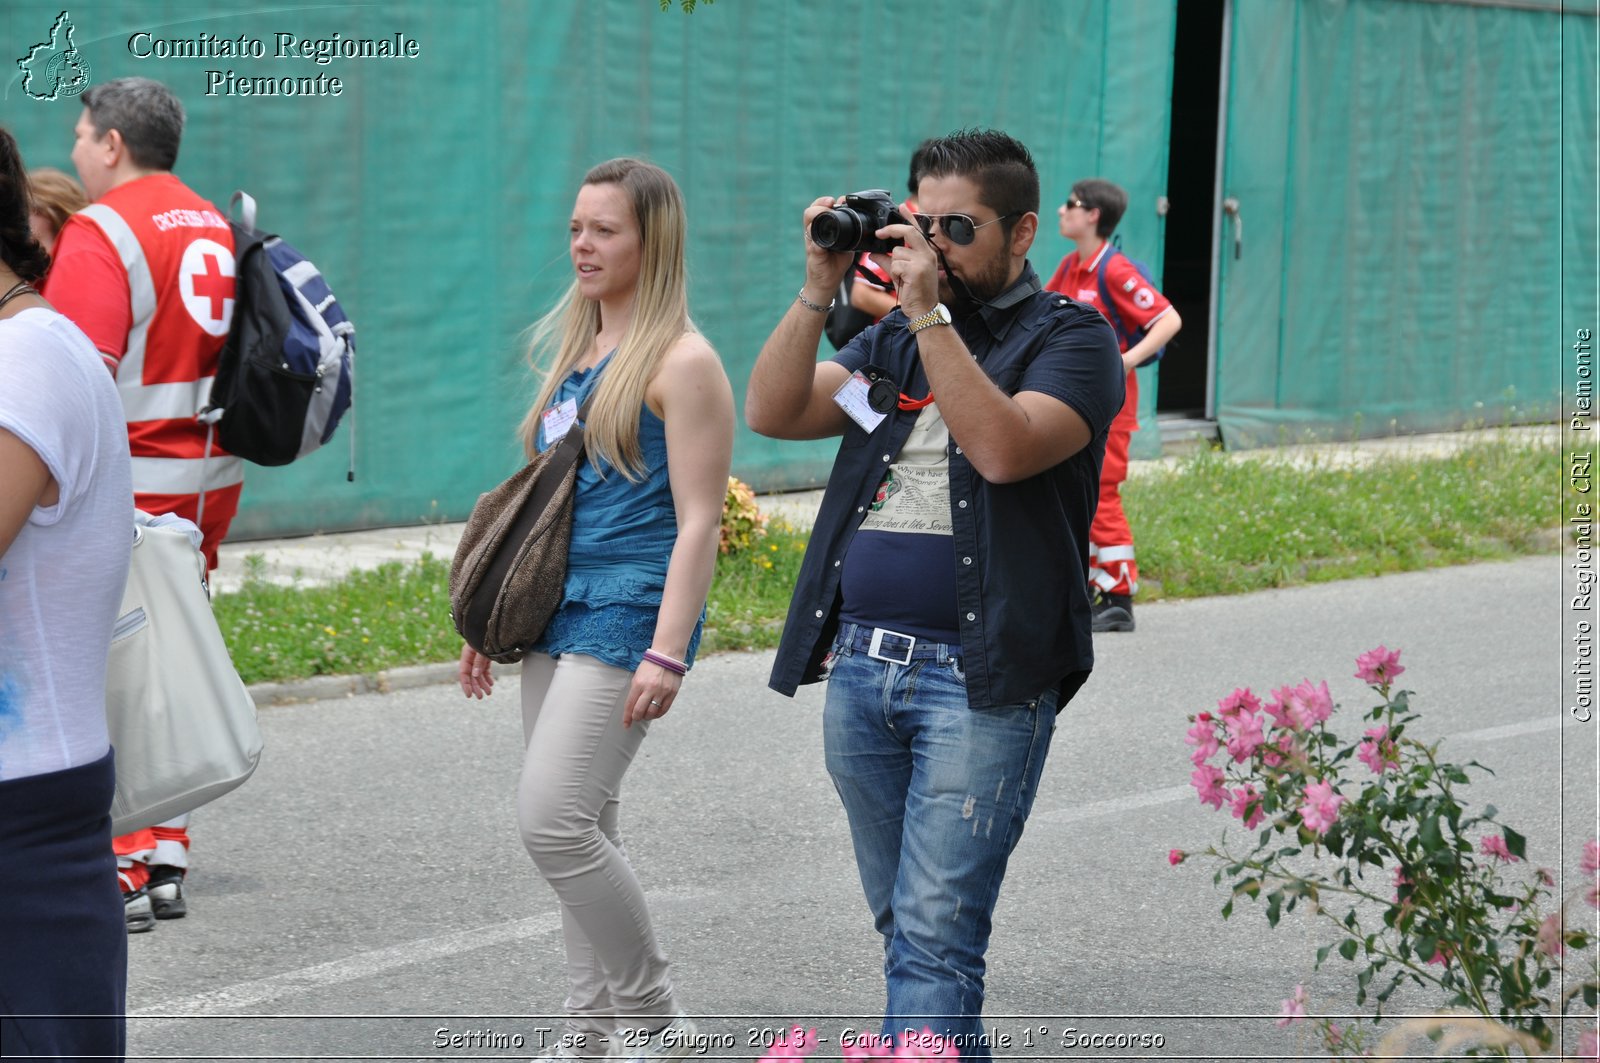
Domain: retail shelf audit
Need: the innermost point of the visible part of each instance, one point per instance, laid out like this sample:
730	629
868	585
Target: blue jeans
936	794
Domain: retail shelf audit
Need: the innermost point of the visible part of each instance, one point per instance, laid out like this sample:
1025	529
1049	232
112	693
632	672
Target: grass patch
1212	524
374	619
750	593
1219	525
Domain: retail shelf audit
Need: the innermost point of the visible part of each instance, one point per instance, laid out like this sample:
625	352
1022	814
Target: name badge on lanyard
854	399
558	421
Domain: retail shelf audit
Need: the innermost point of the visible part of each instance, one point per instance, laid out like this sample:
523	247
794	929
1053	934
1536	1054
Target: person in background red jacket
146	270
1088	218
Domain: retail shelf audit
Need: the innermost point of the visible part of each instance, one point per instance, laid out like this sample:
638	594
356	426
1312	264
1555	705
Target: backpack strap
1105	298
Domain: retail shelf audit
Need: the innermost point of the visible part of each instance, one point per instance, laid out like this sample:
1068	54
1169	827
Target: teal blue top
622	537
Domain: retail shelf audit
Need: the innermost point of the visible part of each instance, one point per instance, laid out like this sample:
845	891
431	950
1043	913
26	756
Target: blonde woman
659	440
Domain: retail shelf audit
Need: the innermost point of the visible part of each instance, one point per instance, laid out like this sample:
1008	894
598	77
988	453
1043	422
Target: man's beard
985	285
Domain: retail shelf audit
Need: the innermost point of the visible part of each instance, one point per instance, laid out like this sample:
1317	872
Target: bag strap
1105	296
562	457
245	203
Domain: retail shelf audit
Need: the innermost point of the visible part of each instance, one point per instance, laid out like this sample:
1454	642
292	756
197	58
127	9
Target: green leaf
1274	907
1322	954
1516	843
1347	948
1432	840
1227	909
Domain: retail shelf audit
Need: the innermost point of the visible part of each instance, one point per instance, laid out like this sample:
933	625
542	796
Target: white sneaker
675	1040
137	912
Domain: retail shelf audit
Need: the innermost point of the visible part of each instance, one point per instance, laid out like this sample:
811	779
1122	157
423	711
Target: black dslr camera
850	227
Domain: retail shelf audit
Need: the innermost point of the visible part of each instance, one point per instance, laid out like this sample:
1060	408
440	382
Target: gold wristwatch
937	316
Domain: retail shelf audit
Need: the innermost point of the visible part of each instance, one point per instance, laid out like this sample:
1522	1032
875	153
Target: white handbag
182	723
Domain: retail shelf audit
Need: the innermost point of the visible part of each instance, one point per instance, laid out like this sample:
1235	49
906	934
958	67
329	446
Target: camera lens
836	230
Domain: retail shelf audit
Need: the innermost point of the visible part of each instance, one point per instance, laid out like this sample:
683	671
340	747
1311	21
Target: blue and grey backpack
1128	336
286	373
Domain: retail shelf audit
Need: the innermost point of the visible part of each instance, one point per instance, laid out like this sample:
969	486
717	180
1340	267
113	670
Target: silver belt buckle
876	649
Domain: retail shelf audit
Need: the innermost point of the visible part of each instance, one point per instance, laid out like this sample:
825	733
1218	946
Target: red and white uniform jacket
147	271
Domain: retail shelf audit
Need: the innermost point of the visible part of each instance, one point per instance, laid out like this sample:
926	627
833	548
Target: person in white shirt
66	535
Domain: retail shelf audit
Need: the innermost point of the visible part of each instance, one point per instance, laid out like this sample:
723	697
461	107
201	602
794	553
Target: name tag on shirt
852	399
558	420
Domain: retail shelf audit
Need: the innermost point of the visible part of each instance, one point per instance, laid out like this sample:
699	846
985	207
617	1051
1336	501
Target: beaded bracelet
661	660
809	305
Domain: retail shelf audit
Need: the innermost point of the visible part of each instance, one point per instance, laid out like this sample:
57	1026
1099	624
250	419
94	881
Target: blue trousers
936	794
64	982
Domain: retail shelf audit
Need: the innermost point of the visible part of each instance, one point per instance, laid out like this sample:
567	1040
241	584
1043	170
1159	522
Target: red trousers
164	844
1112	567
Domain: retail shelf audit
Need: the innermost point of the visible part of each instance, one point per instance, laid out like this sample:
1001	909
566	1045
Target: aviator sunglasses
958	228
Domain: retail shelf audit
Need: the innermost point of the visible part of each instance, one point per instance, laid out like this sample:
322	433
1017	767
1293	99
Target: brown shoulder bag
510	566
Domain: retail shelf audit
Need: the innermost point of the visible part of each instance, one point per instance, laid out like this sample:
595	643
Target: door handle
1230	207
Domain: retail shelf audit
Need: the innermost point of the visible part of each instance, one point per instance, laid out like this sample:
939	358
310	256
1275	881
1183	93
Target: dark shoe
166	893
136	909
1113	612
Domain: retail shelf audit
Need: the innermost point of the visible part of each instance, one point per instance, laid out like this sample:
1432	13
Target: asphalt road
366	890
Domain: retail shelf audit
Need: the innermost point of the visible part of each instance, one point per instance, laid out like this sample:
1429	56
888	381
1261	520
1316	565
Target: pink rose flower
1247	806
1244	736
1379	666
1203	736
1548	940
1310	705
1591	857
1589	1044
1176	856
1593	896
1321	809
1377	752
1207	780
1240	701
1278	708
1294	1008
1495	846
1441	956
1283	750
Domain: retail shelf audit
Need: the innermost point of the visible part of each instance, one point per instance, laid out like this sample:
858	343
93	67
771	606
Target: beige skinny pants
567	808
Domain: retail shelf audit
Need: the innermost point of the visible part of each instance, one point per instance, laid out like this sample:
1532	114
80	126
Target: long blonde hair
660	318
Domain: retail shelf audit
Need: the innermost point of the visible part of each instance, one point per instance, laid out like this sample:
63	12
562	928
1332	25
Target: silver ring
655	702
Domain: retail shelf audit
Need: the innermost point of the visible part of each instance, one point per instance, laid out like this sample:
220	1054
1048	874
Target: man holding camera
943	593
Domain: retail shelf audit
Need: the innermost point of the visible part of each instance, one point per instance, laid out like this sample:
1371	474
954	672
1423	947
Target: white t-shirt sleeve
59	424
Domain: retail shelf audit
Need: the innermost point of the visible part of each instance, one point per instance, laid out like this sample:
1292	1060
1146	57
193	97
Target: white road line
245	995
1174	794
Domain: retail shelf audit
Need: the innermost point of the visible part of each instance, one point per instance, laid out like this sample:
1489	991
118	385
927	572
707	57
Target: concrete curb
324	687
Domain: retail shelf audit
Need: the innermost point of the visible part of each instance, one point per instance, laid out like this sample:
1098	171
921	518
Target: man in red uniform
147	271
1088	218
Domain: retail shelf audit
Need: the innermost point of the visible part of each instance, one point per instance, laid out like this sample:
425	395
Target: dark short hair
1108	198
914	178
145	112
19	250
1003	170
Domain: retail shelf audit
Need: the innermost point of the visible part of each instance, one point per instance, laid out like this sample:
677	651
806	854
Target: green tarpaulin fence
1416	181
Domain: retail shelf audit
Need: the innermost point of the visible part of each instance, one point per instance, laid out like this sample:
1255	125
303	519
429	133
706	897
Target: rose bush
1375	838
